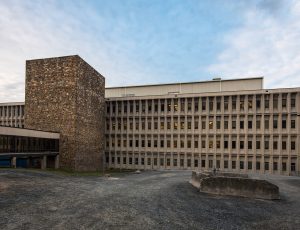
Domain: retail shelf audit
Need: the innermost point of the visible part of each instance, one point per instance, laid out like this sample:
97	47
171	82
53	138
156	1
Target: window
275	101
249	144
225	144
283	166
218	144
203	144
250	103
249	124
226	103
283	102
161	161
210	144
257	103
196	126
249	165
225	124
257	165
257	124
293	102
233	144
196	105
257	144
233	124
203	104
266	145
293	167
211	125
162	106
226	164
189	144
155	144
283	123
275	166
168	161
275	145
293	145
233	103
203	163
195	163
242	104
210	163
175	162
241	124
241	144
211	104
241	164
168	144
189	105
218	164
196	144
233	164
275	124
266	123
266	166
293	124
284	145
161	143
267	103
189	163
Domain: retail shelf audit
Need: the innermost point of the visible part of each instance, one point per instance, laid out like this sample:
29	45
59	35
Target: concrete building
231	125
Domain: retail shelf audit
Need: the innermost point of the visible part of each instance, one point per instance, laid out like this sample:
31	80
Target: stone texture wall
66	95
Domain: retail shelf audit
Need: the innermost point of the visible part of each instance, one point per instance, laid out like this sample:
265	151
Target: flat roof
4	130
192	82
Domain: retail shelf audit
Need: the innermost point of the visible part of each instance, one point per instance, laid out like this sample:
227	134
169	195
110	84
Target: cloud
40	29
263	46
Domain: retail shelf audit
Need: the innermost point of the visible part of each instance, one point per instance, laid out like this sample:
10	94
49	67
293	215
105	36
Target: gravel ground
150	200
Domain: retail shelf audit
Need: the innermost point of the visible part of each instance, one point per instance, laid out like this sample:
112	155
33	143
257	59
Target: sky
133	42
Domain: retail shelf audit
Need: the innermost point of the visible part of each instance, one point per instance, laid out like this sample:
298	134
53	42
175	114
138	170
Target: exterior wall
12	114
186	88
66	95
244	131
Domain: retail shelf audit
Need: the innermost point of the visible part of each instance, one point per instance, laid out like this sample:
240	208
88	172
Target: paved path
150	200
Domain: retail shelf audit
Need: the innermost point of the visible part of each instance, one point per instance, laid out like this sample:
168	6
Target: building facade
230	125
66	95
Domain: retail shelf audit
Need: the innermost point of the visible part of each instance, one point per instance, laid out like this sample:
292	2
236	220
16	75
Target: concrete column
56	163
14	162
44	162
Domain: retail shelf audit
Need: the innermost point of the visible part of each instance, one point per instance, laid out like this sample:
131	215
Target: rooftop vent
217	79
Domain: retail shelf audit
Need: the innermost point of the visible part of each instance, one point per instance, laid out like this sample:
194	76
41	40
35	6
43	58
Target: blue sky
154	41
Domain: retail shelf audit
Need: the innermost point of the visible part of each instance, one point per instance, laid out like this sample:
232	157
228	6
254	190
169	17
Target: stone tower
66	95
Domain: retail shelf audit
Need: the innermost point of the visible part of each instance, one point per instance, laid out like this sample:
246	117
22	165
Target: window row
233	164
211	144
11	111
202	104
211	123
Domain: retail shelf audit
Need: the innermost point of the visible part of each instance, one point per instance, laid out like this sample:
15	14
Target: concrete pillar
56	163
44	162
14	162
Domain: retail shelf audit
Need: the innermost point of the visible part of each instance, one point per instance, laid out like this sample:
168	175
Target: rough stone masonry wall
66	95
